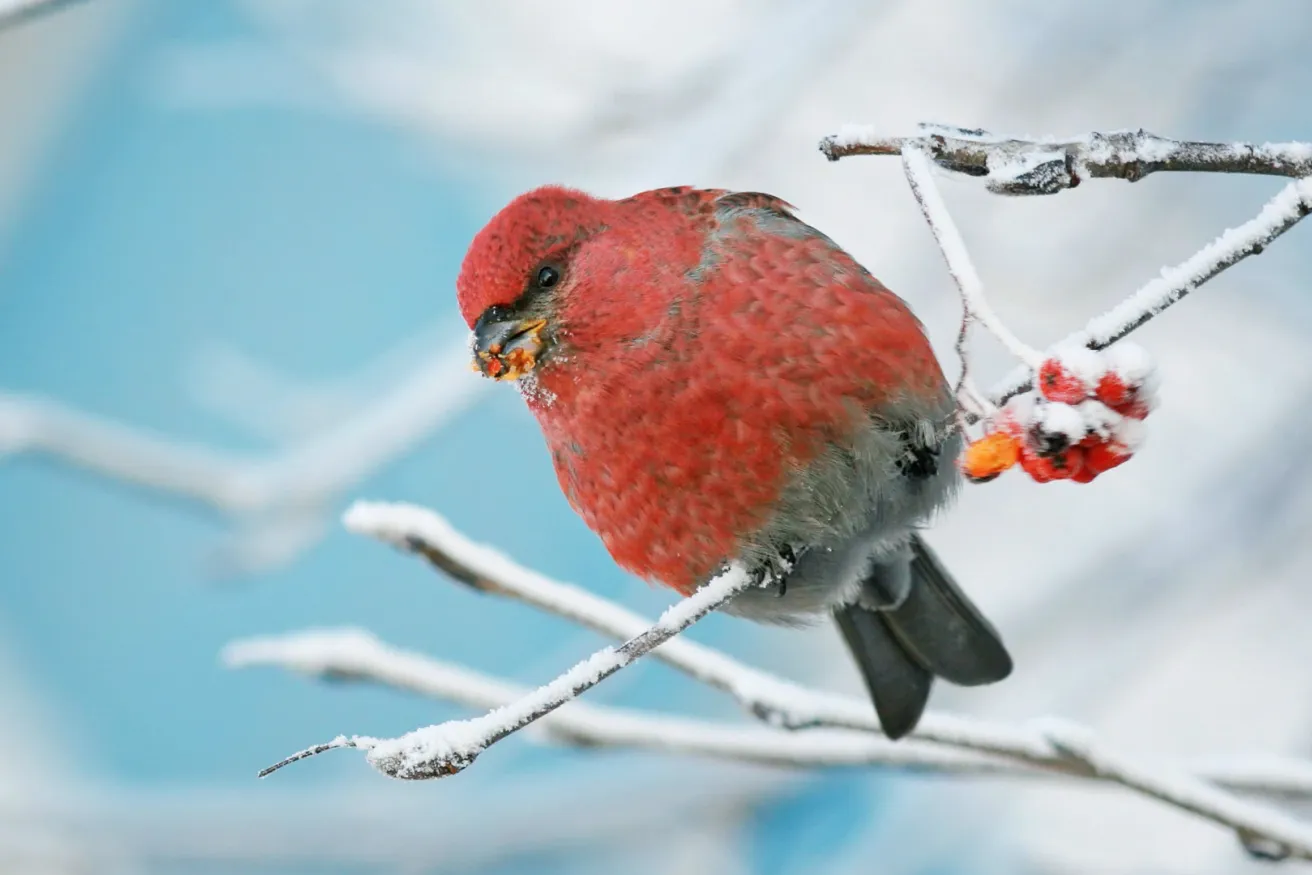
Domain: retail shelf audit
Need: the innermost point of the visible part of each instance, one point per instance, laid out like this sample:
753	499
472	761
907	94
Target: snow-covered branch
776	701
447	748
1281	213
840	731
352	654
1047	166
975	305
357	655
1264	831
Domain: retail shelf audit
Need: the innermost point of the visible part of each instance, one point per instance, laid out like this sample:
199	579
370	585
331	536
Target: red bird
719	382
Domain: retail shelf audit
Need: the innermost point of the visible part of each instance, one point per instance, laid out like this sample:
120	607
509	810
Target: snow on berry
1084	418
1131	363
1130	384
1112	390
1016	415
1056	383
1129	433
1055	427
1070	374
1099	419
1013	418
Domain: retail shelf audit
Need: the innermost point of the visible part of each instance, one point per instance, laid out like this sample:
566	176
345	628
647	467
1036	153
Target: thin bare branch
1047	166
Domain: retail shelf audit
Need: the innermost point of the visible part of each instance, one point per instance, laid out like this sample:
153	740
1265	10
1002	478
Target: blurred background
229	234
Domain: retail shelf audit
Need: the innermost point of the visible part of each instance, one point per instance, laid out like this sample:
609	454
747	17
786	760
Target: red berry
1125	398
1062	466
1057	383
1105	455
1137	407
1085	474
1113	391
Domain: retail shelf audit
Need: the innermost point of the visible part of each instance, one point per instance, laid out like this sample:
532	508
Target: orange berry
989	456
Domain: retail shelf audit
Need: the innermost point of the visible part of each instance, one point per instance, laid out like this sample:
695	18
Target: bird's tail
935	631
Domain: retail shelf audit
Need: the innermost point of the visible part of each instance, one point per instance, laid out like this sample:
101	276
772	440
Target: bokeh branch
14	12
279	501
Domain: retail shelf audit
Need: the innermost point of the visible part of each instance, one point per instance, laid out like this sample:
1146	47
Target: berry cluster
1084	417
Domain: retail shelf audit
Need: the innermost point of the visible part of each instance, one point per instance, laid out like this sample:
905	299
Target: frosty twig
975	306
1263	830
1047	166
842	730
451	747
352	654
356	655
1281	213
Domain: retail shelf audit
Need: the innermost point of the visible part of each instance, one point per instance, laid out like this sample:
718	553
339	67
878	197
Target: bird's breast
670	466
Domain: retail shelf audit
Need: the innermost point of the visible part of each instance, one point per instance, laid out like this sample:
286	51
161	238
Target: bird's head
516	273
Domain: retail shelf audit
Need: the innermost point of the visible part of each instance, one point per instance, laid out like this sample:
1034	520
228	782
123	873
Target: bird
719	383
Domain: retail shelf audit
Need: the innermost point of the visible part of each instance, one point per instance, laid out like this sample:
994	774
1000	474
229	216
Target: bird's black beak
506	346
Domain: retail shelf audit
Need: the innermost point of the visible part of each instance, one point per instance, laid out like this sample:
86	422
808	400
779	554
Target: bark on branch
1047	166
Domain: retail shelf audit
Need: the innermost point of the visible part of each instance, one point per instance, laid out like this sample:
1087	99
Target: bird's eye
548	276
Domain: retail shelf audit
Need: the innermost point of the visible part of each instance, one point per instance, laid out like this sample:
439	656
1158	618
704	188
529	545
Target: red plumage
719	382
701	360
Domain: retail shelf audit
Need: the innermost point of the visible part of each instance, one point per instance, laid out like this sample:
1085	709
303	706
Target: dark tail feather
936	630
943	630
898	685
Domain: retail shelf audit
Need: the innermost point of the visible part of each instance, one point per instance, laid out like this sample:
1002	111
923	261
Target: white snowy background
1167	605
